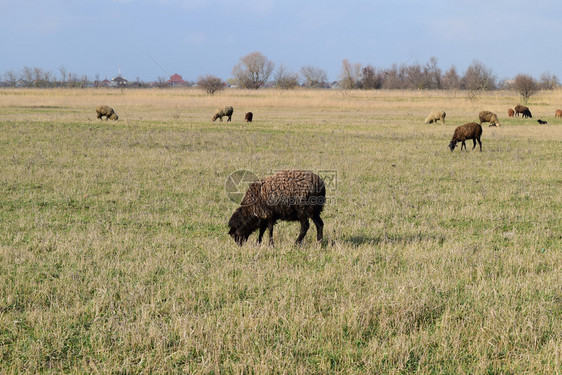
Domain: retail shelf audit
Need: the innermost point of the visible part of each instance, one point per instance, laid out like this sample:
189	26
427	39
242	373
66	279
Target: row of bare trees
38	77
255	70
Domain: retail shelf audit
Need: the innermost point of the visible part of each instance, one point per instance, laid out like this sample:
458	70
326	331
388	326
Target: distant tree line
255	70
430	77
40	78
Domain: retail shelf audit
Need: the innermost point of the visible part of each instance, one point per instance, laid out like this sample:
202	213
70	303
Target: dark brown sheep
523	110
487	116
558	113
220	113
290	195
471	130
510	112
248	117
106	111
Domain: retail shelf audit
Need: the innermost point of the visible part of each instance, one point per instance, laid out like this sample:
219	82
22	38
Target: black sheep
290	195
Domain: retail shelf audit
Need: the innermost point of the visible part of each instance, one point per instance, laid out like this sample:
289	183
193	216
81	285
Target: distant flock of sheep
109	114
473	130
295	195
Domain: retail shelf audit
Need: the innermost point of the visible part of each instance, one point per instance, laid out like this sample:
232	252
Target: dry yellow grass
115	257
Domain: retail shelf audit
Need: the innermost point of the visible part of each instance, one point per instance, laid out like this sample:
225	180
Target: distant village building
176	80
118	82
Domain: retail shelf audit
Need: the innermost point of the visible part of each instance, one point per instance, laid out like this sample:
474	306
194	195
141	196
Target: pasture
115	257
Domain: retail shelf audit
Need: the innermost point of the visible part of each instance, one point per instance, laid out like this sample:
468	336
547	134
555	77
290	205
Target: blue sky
148	39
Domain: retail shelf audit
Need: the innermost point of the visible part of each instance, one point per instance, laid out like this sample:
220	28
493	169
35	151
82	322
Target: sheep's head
242	224
452	145
114	116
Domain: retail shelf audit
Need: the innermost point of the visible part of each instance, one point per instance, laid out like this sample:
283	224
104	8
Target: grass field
115	257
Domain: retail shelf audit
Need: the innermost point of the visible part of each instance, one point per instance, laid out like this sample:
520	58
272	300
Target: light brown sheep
106	111
510	112
434	116
220	113
558	113
487	116
470	130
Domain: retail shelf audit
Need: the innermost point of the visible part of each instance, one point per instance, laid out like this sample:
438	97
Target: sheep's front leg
270	224
263	227
304	228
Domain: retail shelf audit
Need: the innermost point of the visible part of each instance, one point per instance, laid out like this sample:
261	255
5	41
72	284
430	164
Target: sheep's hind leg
480	143
304	228
319	227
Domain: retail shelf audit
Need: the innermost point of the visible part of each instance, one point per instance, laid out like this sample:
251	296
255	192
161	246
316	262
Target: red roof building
176	80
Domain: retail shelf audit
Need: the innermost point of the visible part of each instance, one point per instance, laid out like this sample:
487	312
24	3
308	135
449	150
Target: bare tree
395	77
451	79
415	77
313	76
253	70
161	82
72	80
84	81
349	75
63	73
432	74
210	84
27	76
370	79
548	81
11	77
525	85
478	78
284	79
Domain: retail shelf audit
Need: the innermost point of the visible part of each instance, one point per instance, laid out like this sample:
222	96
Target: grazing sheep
558	113
471	130
542	122
487	116
248	117
434	116
510	112
220	113
290	195
106	111
523	110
